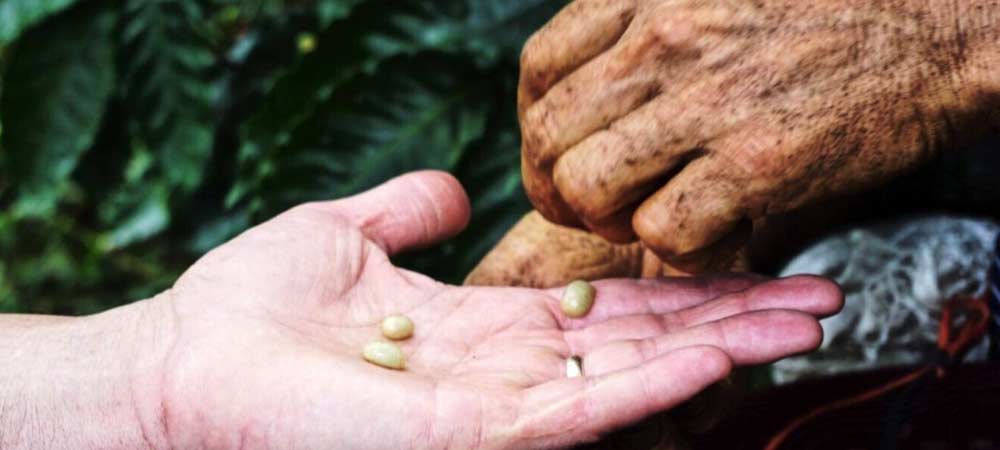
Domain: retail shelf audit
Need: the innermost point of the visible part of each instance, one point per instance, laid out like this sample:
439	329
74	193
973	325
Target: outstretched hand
266	333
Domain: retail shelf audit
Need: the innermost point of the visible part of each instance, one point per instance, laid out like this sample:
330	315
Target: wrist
83	383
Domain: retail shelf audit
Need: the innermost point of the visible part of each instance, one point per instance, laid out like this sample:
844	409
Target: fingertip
672	239
698	215
650	228
614	229
444	194
792	331
827	291
664	234
804	332
822	295
545	198
410	211
711	361
817	336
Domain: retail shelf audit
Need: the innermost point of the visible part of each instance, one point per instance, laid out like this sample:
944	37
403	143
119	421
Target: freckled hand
679	122
271	327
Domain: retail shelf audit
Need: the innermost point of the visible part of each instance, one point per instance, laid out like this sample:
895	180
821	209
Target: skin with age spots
538	253
680	122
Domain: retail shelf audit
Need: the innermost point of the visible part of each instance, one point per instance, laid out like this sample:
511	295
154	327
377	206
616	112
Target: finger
616	228
611	171
811	295
581	31
541	190
728	254
752	338
407	212
617	298
611	85
584	102
587	100
538	253
573	410
696	208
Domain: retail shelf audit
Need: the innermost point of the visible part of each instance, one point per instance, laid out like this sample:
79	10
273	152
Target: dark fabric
960	412
993	297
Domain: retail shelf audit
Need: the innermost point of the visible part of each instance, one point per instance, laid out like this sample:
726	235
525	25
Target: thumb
411	211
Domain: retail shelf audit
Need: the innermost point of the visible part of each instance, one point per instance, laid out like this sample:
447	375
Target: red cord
977	316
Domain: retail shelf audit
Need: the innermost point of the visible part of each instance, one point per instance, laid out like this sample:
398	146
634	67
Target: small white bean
578	299
397	327
385	354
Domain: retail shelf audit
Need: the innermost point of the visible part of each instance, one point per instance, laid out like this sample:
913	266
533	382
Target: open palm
268	331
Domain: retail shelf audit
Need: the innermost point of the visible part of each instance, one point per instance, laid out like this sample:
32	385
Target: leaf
329	10
376	30
368	59
426	111
167	85
498	28
64	73
18	15
410	115
151	217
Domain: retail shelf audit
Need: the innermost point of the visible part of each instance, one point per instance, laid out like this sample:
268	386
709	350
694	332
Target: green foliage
52	115
18	15
164	76
138	134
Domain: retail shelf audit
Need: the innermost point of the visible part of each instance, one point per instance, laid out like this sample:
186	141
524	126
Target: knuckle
645	228
667	245
754	153
545	199
600	171
670	27
537	140
570	178
530	52
536	76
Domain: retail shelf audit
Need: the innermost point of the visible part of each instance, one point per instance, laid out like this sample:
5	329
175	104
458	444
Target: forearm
79	383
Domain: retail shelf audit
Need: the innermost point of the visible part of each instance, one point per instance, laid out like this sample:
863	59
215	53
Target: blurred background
136	135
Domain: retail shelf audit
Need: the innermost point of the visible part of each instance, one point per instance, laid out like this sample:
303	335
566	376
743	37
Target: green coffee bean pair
387	354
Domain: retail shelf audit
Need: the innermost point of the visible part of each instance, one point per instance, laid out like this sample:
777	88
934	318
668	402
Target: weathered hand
266	334
537	253
681	121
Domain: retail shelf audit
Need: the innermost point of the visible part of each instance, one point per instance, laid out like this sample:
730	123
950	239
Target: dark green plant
137	134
